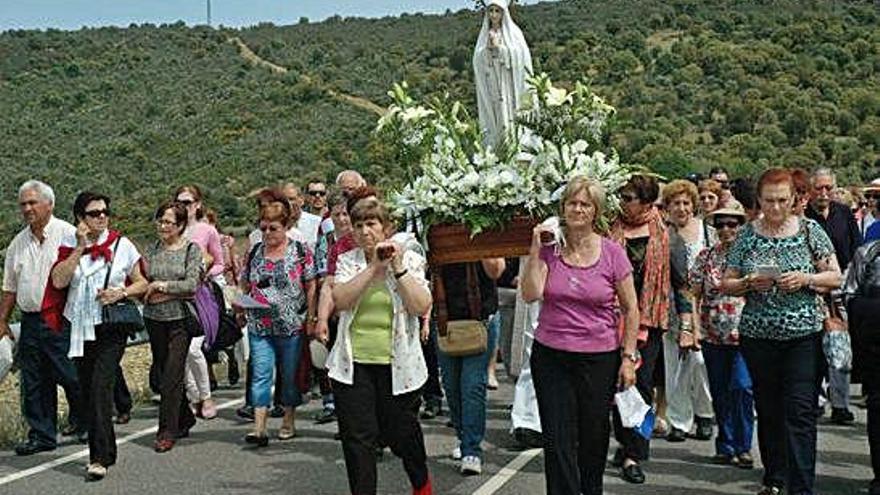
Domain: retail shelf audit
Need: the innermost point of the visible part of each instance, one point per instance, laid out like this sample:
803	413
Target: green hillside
137	111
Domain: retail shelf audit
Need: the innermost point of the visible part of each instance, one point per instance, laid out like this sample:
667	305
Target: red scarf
654	300
54	299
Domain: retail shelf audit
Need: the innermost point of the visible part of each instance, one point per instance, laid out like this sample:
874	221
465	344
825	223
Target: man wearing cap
42	352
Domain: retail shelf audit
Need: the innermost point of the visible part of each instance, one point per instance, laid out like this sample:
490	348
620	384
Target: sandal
286	433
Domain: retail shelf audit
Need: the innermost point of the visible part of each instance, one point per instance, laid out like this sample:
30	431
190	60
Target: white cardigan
408	369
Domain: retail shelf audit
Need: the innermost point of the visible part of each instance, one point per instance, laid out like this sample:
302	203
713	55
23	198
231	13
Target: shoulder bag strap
110	263
473	292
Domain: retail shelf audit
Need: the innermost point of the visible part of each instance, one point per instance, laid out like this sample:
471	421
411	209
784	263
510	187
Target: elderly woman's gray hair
41	188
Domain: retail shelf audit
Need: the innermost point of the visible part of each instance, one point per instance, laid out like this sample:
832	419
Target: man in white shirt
42	352
307	223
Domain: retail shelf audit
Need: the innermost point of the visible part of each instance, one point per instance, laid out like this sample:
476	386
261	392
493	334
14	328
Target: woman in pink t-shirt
586	286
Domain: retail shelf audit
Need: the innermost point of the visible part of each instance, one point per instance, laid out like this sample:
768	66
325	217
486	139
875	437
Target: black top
455	283
842	228
636	251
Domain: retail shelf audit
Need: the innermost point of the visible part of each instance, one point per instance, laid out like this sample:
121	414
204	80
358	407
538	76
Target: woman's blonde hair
679	187
594	190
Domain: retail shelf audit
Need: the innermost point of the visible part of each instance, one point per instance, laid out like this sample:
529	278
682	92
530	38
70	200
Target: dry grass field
135	365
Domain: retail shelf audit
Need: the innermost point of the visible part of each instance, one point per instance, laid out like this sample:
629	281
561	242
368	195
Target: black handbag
123	315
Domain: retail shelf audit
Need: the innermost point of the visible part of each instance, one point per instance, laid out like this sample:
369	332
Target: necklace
775	231
577	256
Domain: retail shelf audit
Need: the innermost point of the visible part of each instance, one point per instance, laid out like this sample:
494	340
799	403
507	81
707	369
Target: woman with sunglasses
174	269
719	315
778	263
82	269
280	276
643	234
203	234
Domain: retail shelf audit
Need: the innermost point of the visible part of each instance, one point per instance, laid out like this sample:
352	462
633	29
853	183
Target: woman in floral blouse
280	275
718	335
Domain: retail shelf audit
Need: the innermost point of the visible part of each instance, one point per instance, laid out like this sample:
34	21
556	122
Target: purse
123	315
461	338
832	307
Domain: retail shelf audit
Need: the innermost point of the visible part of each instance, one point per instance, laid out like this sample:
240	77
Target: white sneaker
456	454
471	465
95	472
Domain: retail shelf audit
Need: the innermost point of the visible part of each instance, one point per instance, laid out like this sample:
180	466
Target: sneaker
431	410
471	465
325	416
95	472
841	416
675	435
744	461
704	429
456	454
245	412
770	490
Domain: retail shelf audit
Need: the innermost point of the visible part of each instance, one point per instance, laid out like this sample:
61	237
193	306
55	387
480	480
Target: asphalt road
215	460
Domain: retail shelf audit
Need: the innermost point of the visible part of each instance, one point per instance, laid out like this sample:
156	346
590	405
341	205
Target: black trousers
786	391
635	446
872	390
431	390
121	396
367	412
574	393
169	344
42	359
97	377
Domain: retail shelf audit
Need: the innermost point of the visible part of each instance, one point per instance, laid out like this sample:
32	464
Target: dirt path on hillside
249	55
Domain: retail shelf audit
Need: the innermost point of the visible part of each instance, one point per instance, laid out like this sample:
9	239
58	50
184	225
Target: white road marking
85	452
509	471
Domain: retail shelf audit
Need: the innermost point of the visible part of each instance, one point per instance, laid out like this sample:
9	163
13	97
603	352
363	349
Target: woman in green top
779	262
376	363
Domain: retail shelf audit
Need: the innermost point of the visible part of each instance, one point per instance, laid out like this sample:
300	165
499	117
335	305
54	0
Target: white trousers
198	384
525	403
687	385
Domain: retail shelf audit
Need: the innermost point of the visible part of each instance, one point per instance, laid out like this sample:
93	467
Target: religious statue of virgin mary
502	61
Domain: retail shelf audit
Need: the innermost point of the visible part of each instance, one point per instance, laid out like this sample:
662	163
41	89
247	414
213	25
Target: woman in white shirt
82	269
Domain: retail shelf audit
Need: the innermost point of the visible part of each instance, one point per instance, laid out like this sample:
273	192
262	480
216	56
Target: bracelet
398	276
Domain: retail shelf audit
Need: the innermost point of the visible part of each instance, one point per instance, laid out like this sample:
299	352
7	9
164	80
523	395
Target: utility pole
209	12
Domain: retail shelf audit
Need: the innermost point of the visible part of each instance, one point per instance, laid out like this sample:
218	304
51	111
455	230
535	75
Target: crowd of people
727	305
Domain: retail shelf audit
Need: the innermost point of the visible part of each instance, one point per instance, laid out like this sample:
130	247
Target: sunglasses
727	224
824	188
98	213
317	193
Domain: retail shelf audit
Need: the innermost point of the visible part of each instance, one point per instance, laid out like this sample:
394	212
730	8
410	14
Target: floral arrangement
454	178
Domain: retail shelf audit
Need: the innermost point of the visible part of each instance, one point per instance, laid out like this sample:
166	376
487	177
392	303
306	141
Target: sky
74	14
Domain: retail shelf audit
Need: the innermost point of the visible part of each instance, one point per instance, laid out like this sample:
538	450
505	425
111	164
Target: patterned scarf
654	300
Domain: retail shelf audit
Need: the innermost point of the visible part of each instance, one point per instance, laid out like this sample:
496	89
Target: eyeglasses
270	228
626	197
98	213
317	193
727	224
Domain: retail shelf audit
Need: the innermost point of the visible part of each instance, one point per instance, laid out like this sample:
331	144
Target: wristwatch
634	356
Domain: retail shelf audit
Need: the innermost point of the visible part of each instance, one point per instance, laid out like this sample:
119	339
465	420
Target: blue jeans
464	381
732	399
263	352
42	358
